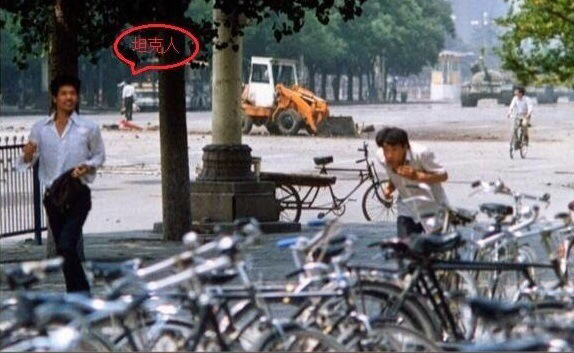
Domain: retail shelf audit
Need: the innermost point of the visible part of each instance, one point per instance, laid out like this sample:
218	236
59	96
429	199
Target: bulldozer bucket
337	126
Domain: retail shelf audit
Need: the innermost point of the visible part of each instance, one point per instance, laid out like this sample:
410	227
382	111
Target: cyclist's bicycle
519	140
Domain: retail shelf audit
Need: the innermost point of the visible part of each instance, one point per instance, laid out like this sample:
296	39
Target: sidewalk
266	261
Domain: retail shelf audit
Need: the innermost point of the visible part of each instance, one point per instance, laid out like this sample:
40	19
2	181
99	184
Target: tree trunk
226	123
378	79
360	87
385	85
350	86
63	48
368	74
312	78
100	83
176	204
372	88
63	59
324	85
336	84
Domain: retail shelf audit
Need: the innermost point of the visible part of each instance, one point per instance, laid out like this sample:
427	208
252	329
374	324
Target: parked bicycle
297	192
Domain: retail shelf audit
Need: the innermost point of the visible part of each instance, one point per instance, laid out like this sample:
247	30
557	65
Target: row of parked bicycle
503	286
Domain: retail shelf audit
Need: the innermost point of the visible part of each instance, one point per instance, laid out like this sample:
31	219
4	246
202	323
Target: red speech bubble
132	64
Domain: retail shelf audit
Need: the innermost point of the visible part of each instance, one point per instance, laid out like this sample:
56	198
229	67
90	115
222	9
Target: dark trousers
406	227
66	228
129	105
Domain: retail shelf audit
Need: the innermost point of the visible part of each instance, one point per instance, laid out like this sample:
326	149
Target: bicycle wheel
505	285
88	342
375	207
570	261
459	285
512	144
291	337
155	336
375	297
385	337
289	203
523	145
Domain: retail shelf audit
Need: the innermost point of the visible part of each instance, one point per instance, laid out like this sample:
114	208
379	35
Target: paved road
471	143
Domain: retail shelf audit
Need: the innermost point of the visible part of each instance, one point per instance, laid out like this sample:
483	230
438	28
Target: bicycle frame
425	287
365	174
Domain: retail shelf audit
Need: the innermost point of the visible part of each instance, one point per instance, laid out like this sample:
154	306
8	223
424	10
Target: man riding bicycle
521	109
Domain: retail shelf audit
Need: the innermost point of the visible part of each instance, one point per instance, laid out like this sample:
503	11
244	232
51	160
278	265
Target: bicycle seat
17	279
493	310
323	160
109	271
496	209
219	277
462	216
425	244
335	247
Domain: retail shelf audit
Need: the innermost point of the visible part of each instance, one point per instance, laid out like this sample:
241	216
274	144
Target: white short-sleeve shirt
420	158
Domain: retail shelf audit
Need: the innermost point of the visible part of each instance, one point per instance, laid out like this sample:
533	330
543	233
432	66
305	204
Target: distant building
446	79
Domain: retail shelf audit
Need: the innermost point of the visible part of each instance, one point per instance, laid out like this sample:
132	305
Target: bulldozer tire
272	128
289	122
246	124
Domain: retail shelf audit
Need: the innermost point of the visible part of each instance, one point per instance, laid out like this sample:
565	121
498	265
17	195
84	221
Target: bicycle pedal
321	215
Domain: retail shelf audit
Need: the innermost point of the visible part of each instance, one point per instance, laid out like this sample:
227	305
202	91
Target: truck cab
265	74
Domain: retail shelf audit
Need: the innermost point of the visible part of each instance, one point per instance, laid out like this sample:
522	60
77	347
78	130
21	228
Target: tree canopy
538	45
100	21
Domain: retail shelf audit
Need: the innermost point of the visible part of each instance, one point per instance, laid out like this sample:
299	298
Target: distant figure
128	96
521	108
393	91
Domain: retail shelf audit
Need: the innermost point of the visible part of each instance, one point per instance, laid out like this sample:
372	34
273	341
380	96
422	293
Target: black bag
63	192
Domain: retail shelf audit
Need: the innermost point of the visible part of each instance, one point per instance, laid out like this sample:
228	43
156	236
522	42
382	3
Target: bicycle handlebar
512	229
498	187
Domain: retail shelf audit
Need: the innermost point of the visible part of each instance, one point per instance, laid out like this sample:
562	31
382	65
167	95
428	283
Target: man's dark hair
393	136
520	89
64	80
380	137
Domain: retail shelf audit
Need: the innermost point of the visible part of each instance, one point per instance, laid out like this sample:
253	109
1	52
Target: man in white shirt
520	108
62	142
128	93
410	164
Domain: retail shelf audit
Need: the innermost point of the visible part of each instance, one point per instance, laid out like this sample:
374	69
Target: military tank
487	84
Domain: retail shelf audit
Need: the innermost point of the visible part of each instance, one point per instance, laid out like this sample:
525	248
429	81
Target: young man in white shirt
520	108
410	164
63	142
128	93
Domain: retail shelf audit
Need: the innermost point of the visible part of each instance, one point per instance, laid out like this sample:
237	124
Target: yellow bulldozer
274	98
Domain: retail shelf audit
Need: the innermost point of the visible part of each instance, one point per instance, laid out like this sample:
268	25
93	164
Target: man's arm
30	151
431	178
97	149
432	171
87	170
511	107
388	190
